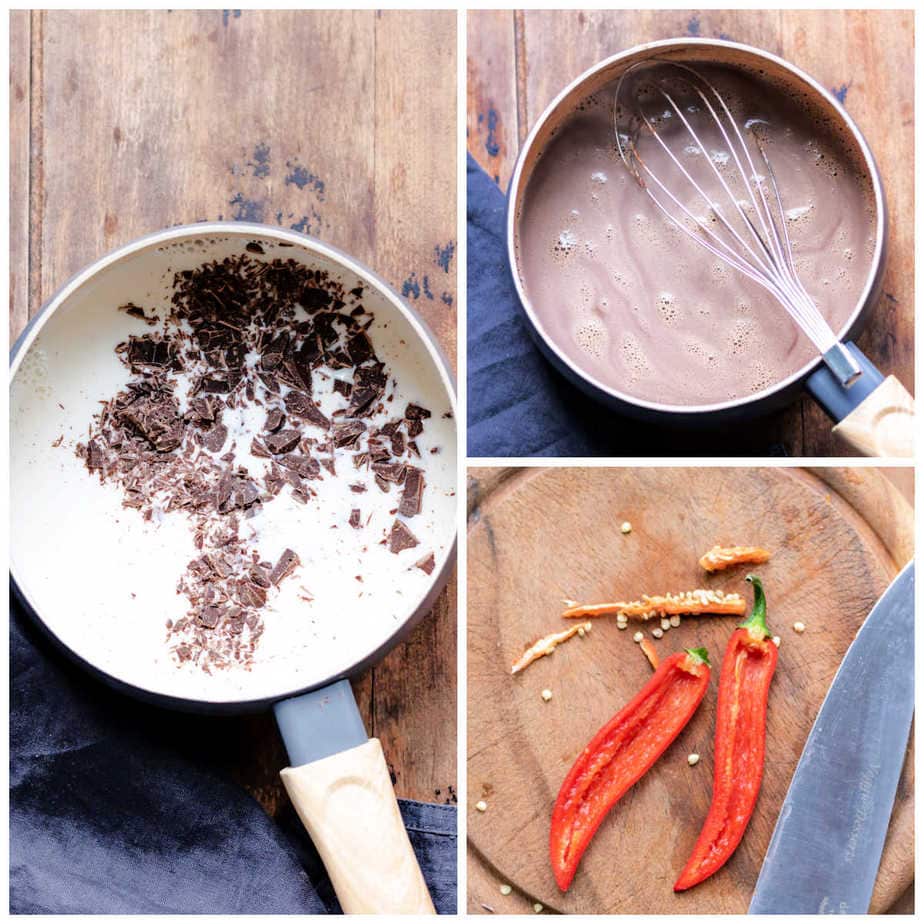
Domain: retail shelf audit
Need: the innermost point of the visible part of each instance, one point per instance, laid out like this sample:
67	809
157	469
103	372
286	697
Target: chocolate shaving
136	312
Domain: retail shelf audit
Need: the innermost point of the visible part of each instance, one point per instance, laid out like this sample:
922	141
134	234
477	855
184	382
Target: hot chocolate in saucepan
636	304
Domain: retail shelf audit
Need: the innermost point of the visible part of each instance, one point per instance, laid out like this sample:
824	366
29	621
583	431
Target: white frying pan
101	581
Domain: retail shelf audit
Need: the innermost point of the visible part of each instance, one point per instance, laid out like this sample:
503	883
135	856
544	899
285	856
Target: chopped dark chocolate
346	435
360	348
251	594
147	351
283	441
222	313
301	406
390	471
400	538
95	456
416	412
413	492
426	564
136	312
287	563
214	438
274	420
210	616
302	465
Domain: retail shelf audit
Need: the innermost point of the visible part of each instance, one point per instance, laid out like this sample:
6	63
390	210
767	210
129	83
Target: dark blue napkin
119	807
518	405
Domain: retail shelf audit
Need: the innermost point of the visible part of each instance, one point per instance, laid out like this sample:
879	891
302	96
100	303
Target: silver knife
827	844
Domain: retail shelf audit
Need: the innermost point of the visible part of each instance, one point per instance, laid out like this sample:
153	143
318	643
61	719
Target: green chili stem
756	623
699	655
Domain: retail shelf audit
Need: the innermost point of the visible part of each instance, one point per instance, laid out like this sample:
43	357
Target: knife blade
827	844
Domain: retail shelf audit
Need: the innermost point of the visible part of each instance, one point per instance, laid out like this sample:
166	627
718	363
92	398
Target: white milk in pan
104	580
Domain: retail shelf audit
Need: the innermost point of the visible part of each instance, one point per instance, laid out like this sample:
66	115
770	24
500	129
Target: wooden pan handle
347	804
883	424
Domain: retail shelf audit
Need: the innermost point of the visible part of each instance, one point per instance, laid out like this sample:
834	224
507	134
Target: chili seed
481	805
587	627
622	625
665	623
798	627
546	695
505	889
675	621
776	640
581	632
638	636
692	759
538	907
657	633
626	528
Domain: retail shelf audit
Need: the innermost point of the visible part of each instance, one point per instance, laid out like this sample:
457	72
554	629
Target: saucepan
875	413
101	580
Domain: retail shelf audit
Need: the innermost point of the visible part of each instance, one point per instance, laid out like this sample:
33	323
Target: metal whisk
757	246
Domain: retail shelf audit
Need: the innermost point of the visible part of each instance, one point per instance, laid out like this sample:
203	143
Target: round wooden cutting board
540	536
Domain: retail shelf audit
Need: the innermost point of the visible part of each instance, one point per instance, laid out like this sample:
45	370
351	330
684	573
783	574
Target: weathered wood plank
20	91
492	92
414	207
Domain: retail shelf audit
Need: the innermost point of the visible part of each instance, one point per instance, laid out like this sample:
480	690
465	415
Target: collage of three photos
376	550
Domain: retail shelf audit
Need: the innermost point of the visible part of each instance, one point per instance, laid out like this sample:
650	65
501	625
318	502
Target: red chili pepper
621	753
740	730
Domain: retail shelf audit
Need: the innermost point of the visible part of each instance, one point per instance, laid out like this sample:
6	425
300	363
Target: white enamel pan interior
102	581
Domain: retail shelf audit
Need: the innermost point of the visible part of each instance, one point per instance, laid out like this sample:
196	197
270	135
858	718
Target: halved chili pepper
740	730
621	753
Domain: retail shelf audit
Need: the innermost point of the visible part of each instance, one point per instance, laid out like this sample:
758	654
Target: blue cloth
119	807
518	405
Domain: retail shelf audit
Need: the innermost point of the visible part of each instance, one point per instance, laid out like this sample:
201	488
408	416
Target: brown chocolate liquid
642	308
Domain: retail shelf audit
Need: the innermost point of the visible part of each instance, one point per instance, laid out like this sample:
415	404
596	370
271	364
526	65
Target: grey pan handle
341	788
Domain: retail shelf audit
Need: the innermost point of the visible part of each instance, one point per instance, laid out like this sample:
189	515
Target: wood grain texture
864	56
339	124
538	536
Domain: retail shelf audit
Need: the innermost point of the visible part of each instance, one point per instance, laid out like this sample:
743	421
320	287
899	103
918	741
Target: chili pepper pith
621	753
740	732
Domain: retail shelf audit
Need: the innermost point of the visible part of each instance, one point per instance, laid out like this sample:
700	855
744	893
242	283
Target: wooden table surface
519	60
338	124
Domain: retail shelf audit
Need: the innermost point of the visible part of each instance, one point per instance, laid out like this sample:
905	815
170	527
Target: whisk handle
874	414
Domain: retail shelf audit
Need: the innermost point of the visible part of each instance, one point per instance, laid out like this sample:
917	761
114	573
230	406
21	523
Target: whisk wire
764	253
